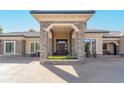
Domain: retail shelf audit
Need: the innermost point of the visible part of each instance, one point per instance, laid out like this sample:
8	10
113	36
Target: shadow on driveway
98	70
18	60
63	74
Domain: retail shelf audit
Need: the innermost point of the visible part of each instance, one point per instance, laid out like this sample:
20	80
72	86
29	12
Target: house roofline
98	32
19	36
12	36
112	36
62	12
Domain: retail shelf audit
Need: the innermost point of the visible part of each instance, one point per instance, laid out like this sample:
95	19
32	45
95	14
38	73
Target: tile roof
37	34
114	34
96	31
23	34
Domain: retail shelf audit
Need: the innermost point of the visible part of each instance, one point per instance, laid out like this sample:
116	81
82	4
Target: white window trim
34	47
14	42
91	50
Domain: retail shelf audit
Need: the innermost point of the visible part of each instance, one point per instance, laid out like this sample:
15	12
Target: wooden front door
61	47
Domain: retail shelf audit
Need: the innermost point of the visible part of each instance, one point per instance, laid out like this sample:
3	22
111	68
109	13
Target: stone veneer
44	38
1	47
20	47
80	47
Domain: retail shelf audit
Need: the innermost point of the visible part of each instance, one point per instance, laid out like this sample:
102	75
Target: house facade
62	33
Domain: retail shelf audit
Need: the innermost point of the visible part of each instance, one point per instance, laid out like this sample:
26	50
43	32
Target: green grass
62	57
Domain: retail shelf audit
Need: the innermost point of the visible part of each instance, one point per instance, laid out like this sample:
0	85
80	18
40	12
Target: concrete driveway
109	69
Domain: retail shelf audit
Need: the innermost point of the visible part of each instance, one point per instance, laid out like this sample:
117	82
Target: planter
121	54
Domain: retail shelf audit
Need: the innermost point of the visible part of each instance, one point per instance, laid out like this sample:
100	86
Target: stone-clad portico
66	27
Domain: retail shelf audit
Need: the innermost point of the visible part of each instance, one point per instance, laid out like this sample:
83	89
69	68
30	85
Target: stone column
76	43
49	46
79	39
52	42
44	40
70	43
80	47
43	45
23	47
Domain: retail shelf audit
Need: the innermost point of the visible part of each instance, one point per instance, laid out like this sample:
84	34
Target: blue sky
108	20
17	21
21	20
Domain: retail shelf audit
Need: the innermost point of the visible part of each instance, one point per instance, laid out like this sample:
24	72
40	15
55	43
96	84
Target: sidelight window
34	47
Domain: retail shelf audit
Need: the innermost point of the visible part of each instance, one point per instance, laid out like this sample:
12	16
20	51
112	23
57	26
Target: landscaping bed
62	57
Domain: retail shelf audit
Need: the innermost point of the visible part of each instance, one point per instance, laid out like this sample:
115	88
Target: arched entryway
62	39
73	18
115	49
110	48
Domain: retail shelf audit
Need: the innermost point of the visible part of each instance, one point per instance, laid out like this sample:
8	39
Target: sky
22	20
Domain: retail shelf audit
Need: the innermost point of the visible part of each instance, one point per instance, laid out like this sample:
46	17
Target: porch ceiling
60	30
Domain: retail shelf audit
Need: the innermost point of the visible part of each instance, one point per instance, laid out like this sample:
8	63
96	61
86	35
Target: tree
1	29
32	30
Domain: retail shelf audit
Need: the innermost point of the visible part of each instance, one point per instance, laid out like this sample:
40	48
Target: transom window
9	47
34	47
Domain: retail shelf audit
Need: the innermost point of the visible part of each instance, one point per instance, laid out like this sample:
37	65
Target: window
93	46
37	47
34	47
90	45
104	46
9	47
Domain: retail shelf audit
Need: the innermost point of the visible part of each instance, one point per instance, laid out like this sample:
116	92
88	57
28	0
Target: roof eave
62	12
111	36
12	36
96	32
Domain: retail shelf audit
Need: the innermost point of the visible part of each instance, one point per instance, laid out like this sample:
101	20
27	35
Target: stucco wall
110	44
122	44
